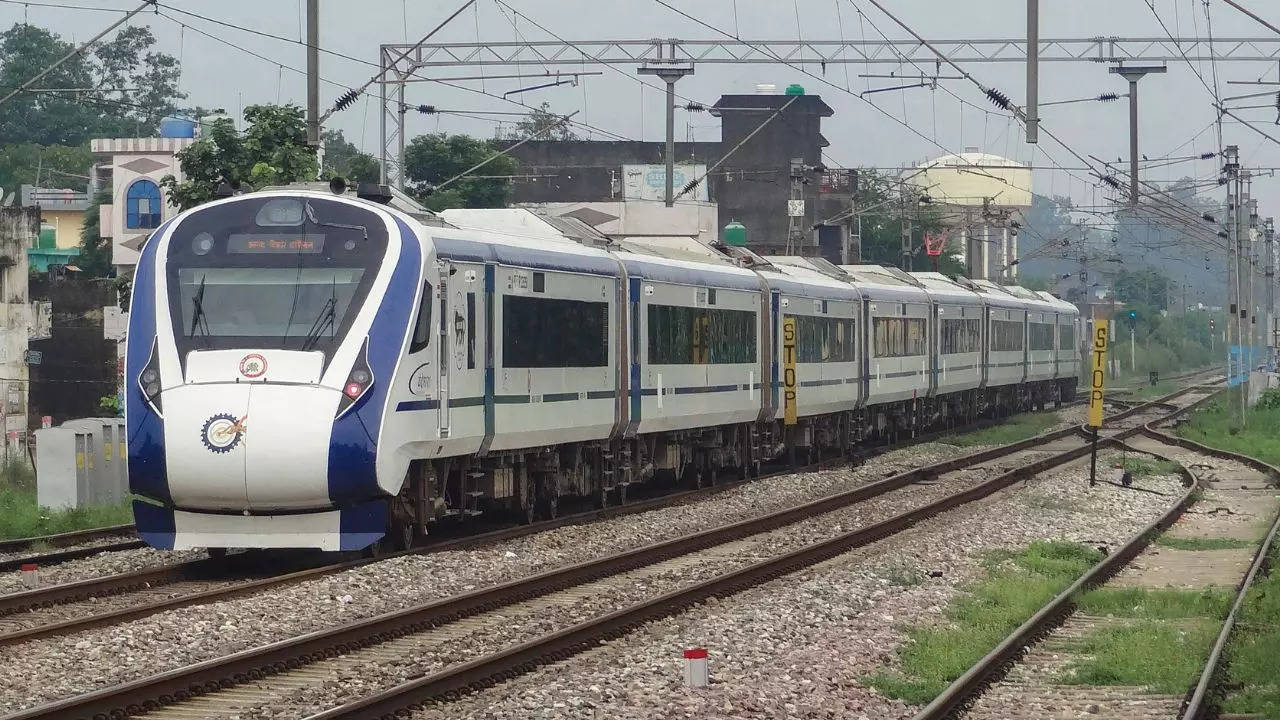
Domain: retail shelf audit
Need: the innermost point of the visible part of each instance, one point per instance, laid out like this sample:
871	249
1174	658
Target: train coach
315	370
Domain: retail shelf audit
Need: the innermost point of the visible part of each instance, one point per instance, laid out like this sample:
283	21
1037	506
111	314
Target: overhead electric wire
692	184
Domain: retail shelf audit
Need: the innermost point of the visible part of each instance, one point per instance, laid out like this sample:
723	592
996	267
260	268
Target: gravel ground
6	556
44	670
102	564
797	647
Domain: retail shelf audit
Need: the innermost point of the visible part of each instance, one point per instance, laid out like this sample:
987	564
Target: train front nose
256	447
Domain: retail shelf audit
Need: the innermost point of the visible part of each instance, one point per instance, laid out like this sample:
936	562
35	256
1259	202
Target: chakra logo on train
223	432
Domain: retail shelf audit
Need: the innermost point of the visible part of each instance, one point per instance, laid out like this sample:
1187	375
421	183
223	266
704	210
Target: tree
272	151
345	160
882	227
95	250
543	124
101	108
435	158
57	165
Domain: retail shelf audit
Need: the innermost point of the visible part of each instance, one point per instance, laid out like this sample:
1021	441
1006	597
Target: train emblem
223	432
253	365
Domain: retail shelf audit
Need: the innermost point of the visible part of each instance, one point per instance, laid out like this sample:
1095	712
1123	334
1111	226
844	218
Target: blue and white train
315	370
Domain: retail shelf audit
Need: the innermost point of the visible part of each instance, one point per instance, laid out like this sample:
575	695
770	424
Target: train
329	370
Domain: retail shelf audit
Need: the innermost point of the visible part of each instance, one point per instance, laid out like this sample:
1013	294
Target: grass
1141	466
1253	677
1018	427
1151	392
1214	426
1164	657
1018	584
20	516
1155	604
1186	543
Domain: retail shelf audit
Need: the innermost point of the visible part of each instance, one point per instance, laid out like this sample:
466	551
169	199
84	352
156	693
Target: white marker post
695	667
30	575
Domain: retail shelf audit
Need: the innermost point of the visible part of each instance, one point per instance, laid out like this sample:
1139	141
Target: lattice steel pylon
402	62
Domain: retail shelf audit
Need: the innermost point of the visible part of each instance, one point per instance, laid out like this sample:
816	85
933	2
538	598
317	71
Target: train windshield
285	273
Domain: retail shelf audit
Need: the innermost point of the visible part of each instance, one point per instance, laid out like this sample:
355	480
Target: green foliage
882	226
95	250
542	124
57	165
1216	543
272	151
1163	657
1215	426
1140	466
20	516
342	159
71	119
1155	604
110	405
1269	400
1018	427
435	158
1018	586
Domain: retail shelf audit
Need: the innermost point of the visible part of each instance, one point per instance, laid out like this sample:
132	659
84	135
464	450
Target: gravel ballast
799	646
44	670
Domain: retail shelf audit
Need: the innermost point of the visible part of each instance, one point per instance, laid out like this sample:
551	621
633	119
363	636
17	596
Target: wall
78	365
19	228
67	224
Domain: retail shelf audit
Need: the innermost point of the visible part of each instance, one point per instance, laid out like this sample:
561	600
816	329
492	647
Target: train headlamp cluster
359	380
149	380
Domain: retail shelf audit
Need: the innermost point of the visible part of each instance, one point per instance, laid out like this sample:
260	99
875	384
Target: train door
442	364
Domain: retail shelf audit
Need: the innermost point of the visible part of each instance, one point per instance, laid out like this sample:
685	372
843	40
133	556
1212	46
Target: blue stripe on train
353	444
145	429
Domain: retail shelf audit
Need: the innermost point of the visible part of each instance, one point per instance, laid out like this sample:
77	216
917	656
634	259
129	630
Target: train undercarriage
530	484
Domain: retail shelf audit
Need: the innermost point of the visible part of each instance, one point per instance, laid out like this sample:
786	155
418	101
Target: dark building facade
752	186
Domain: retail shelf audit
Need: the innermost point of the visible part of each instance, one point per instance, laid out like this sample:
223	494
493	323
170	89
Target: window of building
1040	336
700	336
961	336
1066	337
899	337
824	339
1006	335
142	206
547	333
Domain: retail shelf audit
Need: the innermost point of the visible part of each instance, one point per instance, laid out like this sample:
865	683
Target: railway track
99	602
260	674
1024	675
70	546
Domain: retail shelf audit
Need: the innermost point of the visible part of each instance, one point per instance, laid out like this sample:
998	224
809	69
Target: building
19	230
752	185
62	214
133	168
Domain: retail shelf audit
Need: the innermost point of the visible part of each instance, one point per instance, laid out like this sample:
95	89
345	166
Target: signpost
789	368
1097	379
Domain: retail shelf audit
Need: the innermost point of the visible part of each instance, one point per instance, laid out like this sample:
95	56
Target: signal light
353	390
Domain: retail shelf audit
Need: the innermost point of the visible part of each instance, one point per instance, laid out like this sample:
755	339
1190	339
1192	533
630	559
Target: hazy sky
1175	107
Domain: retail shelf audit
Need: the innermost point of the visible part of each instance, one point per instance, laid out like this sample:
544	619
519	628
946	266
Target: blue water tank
176	127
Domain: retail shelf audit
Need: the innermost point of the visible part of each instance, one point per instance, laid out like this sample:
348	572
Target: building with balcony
62	214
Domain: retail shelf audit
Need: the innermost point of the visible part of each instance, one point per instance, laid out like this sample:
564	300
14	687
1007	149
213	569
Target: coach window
422	331
1006	335
700	336
899	337
542	332
1041	336
471	331
1066	337
960	336
823	339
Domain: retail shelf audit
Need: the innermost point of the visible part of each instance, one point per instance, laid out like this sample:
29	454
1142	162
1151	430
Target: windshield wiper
198	320
311	215
325	319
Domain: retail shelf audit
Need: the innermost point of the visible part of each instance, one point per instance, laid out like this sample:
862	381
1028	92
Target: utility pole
313	73
905	197
1134	73
669	70
795	209
852	251
1254	337
1235	329
1033	71
1268	235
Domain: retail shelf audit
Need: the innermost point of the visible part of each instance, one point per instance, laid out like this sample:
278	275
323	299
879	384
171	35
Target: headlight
358	381
149	380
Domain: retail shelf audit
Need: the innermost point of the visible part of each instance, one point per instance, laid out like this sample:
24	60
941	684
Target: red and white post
30	575
695	667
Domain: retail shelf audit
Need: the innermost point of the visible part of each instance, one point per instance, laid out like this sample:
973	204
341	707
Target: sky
1177	116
